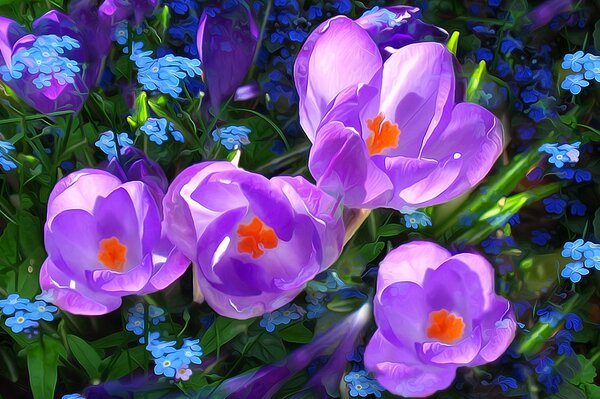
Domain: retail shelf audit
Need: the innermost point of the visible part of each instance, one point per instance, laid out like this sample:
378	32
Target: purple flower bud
227	42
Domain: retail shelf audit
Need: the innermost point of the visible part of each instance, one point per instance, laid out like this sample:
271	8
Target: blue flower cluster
414	219
360	384
136	317
45	60
25	313
120	34
170	361
280	316
107	144
164	74
157	130
6	163
561	154
232	137
579	61
319	291
586	255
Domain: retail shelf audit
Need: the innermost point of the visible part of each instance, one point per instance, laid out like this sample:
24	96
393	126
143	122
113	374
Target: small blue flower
549	315
343	6
574	83
578	208
190	351
120	33
40	310
73	396
12	303
106	143
492	245
281	316
523	73
484	54
5	148
232	137
315	310
416	218
135	324
159	348
574	61
563	343
592	258
592	70
573	322
555	204
167	365
356	355
20	321
573	271
540	237
509	44
506	383
360	384
574	249
156	314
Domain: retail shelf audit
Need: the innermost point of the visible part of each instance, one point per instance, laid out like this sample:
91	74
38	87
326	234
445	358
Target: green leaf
597	224
390	230
476	79
587	373
296	333
222	331
85	355
597	35
9	246
124	362
112	340
42	362
453	42
370	251
268	349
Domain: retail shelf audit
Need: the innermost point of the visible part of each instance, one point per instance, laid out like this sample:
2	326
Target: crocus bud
227	40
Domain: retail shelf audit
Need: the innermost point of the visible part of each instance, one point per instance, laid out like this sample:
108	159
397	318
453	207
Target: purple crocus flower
227	40
389	134
53	68
435	312
254	242
104	240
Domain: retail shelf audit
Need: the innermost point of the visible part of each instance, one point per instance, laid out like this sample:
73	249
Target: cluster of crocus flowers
255	242
395	115
435	312
105	240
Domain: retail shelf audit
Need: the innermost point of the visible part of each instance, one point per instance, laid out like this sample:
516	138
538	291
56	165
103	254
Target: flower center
384	134
445	327
112	254
256	236
20	320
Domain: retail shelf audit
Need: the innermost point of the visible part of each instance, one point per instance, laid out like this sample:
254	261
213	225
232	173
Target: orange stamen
256	236
112	254
445	327
385	134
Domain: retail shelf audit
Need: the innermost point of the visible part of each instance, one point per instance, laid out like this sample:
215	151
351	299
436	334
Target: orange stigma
112	254
385	134
445	327
256	236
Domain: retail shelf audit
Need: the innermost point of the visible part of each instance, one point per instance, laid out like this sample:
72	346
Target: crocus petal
10	32
417	90
400	371
460	353
471	142
498	331
339	45
363	184
410	262
73	297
